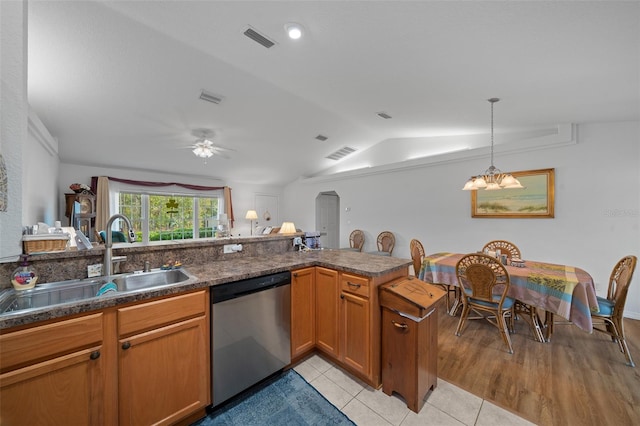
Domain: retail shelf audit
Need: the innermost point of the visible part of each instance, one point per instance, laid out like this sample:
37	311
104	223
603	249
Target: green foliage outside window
170	217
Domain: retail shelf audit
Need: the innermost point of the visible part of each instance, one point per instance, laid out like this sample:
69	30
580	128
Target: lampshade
251	214
287	228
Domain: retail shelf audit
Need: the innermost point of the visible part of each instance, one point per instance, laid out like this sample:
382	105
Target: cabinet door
356	333
303	312
163	374
327	306
66	390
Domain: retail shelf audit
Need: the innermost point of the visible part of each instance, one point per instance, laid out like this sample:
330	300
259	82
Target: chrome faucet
107	267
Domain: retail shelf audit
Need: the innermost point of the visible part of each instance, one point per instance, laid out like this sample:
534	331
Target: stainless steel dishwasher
251	335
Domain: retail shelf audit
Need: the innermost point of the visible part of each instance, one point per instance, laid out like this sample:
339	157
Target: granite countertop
219	272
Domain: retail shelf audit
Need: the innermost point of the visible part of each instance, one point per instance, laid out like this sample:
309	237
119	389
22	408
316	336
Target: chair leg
618	329
502	325
463	318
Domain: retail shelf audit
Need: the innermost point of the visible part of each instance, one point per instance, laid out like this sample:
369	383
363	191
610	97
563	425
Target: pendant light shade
492	179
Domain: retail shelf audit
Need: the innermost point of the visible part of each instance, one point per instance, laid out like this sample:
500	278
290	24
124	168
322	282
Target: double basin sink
57	293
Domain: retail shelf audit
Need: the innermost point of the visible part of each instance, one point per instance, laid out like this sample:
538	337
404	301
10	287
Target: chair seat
507	304
606	307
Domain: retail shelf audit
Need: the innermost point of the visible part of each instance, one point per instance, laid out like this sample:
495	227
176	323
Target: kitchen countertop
219	272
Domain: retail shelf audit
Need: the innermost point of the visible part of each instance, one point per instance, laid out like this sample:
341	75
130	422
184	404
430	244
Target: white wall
40	183
597	205
13	120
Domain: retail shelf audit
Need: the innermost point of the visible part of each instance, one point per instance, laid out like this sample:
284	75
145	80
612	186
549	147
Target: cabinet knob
94	355
126	345
341	296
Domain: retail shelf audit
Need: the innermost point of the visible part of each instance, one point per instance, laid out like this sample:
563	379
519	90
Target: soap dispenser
24	277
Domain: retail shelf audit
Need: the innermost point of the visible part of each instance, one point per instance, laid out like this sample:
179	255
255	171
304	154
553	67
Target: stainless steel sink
57	293
143	280
50	294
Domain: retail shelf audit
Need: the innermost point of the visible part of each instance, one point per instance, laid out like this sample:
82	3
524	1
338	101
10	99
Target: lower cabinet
163	360
348	320
303	311
327	311
141	364
53	374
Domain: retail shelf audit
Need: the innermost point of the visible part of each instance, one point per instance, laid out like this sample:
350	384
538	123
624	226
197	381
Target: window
158	216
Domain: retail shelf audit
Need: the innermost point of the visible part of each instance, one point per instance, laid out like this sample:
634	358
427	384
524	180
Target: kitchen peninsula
107	347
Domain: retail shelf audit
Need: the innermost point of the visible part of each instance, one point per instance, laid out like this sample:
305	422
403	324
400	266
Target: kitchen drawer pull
398	325
126	345
354	285
94	355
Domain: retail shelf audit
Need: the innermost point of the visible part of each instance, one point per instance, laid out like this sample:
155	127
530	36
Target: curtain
102	203
228	206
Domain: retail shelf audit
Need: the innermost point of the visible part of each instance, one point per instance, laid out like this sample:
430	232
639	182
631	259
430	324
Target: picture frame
535	200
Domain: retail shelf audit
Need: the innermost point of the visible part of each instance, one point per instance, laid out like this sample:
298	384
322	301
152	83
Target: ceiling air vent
322	138
341	153
383	115
258	38
210	97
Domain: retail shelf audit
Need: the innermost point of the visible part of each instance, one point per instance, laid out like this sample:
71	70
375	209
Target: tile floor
365	406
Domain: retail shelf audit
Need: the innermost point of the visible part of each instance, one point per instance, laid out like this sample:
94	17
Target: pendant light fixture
493	178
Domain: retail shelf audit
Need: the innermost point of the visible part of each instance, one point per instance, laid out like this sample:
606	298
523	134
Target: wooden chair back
386	241
417	254
482	277
505	247
619	281
356	239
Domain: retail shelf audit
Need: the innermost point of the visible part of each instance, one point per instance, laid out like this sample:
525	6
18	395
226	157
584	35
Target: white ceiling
117	83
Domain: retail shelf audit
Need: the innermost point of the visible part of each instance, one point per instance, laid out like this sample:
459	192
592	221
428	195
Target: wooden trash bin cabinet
410	339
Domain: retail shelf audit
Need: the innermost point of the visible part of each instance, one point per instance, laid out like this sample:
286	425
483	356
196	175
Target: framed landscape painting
535	200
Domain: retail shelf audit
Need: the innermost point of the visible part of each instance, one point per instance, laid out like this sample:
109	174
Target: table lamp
287	228
251	215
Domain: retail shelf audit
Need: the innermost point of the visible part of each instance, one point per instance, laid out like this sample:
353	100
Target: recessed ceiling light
294	31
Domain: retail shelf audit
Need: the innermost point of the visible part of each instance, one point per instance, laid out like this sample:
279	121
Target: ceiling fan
204	148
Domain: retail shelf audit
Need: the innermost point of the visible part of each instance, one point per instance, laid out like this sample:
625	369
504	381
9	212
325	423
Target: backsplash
69	265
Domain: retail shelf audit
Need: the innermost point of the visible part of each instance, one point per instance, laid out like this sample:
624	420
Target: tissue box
45	243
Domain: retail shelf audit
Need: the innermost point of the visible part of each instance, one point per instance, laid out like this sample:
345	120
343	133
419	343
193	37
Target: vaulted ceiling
118	83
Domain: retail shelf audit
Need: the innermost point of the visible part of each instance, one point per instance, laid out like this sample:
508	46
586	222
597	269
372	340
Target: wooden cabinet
303	311
327	311
84	219
146	363
53	374
348	320
163	360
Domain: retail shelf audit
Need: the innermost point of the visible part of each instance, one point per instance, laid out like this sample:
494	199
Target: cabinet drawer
145	316
39	343
354	284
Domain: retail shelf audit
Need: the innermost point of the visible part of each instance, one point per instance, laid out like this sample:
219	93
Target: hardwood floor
576	379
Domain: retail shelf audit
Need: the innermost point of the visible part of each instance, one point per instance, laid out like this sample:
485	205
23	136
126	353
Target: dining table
556	289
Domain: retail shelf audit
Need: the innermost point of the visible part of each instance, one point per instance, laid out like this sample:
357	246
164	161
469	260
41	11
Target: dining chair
416	250
484	283
612	307
505	247
417	255
385	241
356	240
